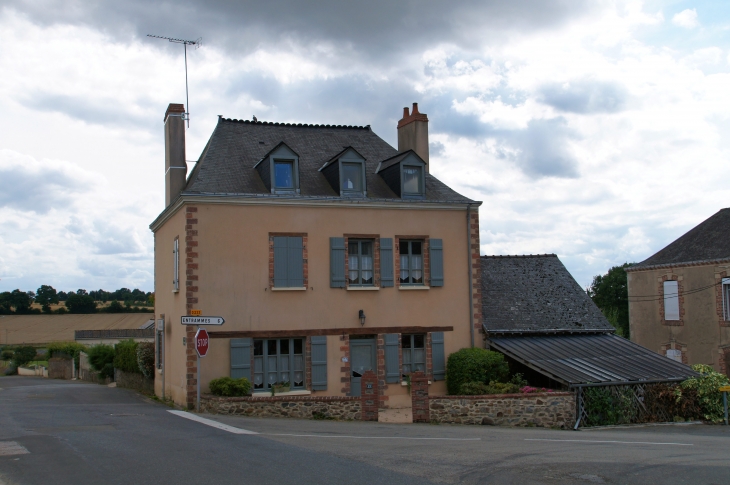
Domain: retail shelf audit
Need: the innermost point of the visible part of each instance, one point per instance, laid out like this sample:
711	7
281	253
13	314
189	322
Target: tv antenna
197	43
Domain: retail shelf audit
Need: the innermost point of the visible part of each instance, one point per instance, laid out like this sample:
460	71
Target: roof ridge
505	256
292	125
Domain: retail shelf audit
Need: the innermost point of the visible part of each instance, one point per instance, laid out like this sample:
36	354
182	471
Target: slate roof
535	294
709	241
226	164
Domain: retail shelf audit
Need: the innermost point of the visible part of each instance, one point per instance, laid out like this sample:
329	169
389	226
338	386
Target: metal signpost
724	390
202	340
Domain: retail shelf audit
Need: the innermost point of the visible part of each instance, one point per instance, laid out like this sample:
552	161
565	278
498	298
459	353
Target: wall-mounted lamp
361	315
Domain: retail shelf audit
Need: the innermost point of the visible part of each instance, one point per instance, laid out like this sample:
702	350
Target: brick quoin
191	296
370	397
345	369
718	300
419	397
476	271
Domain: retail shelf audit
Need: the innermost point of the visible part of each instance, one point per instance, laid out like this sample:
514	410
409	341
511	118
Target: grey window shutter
337	262
386	262
281	278
437	262
241	358
438	357
671	300
319	363
295	262
392	366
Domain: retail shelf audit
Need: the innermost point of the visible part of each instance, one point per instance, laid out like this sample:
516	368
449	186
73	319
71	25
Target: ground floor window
278	361
414	353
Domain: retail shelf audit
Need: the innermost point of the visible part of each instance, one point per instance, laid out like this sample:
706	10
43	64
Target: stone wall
59	368
549	410
132	380
307	407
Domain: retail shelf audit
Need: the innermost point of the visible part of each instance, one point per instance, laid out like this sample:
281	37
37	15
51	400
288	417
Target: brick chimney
413	133
175	167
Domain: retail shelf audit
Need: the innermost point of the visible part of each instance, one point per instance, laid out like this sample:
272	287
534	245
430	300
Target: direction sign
202	320
725	389
201	342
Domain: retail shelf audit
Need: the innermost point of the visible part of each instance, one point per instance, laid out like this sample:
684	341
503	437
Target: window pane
298	346
271	347
352	177
353	262
366	262
406	341
402	247
403	268
284	346
418	341
412	180
258	347
283	175
258	367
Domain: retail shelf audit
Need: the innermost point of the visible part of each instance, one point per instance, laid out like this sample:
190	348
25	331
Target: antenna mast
197	43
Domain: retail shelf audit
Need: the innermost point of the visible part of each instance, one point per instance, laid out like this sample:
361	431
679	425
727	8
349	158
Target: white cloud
686	18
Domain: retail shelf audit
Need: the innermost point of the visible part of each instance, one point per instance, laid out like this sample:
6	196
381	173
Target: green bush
71	349
480	388
146	358
706	386
474	365
125	358
227	386
100	356
23	355
6	354
107	371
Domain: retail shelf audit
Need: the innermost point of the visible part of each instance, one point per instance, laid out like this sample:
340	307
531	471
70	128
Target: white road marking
232	429
607	441
12	448
210	422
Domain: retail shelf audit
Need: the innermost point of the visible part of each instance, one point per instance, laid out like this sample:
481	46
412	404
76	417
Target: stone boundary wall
59	368
131	380
306	407
546	409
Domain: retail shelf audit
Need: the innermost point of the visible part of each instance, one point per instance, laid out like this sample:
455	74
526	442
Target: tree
45	296
80	302
20	301
610	293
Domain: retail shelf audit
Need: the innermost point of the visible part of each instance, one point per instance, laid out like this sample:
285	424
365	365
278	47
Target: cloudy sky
597	130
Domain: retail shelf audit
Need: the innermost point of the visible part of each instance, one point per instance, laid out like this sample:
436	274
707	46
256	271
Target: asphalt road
58	432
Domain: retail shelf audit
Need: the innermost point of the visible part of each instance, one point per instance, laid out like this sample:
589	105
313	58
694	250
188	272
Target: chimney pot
406	114
415	109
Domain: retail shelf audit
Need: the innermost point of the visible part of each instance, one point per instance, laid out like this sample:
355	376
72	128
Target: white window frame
176	266
671	300
726	299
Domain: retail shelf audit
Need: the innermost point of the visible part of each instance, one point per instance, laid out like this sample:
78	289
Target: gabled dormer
346	173
279	169
405	175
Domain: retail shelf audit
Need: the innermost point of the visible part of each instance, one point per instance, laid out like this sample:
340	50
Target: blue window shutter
295	262
438	357
281	273
337	262
437	262
386	262
241	358
319	363
392	364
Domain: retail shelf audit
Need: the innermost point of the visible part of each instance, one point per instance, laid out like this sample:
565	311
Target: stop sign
201	342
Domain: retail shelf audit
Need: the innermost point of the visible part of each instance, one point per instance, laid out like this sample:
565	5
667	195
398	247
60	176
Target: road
58	432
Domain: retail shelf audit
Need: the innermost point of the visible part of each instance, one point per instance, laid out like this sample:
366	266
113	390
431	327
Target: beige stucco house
679	298
327	252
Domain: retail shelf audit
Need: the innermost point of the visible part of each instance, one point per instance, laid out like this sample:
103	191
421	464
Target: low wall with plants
134	380
548	409
305	407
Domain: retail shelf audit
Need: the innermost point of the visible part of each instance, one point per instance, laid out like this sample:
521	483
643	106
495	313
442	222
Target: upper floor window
345	173
279	170
288	256
360	262
412	180
284	174
405	174
352	175
726	298
671	300
411	262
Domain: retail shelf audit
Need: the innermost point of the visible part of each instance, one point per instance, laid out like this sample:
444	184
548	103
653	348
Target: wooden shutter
241	358
392	364
386	262
319	363
295	262
437	261
671	300
337	262
438	357
281	278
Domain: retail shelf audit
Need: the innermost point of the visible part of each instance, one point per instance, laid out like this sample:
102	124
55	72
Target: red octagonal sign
201	342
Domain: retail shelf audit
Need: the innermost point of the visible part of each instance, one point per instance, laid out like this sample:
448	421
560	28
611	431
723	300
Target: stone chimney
413	133
175	167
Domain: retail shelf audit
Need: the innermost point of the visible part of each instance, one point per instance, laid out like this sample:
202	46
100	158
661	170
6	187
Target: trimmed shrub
100	356
70	349
227	386
706	388
146	358
480	388
474	365
125	358
23	355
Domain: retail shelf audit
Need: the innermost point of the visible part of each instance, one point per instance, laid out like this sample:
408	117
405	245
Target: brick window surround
305	255
674	345
424	252
725	359
680	297
376	256
718	299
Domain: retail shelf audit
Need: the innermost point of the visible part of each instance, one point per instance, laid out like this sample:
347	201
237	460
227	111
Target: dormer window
404	174
346	173
412	180
279	170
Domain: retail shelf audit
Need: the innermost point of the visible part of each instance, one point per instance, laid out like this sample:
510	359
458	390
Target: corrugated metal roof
591	359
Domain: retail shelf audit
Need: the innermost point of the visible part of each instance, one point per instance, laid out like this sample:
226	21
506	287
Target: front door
362	359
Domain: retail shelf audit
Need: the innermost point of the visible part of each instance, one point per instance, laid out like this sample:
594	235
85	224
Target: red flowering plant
530	389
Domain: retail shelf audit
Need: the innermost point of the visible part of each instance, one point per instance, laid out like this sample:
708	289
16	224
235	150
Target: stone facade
304	407
549	410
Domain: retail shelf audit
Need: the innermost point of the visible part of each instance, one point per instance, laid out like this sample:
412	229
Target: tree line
610	293
122	300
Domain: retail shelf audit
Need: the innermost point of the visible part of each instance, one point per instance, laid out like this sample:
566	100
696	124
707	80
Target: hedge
125	356
227	386
474	365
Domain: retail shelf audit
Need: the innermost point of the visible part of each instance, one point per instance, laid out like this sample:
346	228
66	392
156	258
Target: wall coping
520	395
210	397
